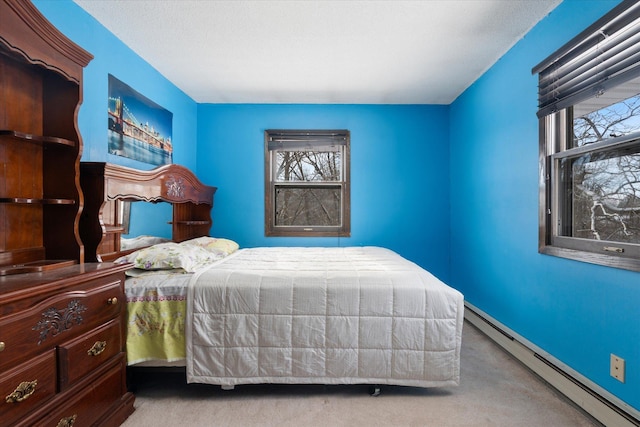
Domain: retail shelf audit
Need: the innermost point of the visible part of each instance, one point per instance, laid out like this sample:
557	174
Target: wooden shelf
110	229
20	136
190	222
35	266
30	201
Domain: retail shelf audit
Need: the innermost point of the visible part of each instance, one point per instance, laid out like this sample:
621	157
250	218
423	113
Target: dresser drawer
27	386
84	406
85	353
51	321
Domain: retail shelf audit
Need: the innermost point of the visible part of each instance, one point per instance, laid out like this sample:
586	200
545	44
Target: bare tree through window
307	182
605	183
308	205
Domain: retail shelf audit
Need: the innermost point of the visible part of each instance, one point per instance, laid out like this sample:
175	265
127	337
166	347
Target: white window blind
603	56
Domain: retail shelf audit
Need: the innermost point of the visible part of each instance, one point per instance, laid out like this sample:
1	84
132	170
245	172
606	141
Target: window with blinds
589	112
307	183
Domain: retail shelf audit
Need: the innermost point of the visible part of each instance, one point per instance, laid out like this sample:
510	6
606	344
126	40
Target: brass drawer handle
112	301
2	345
97	348
67	421
22	392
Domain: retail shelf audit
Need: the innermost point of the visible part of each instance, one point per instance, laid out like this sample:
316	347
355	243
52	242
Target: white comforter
355	315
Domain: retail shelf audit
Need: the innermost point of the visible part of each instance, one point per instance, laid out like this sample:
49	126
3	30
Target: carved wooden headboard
106	185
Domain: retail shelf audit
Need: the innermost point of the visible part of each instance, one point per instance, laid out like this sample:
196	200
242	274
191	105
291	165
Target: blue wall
111	56
399	174
578	312
428	181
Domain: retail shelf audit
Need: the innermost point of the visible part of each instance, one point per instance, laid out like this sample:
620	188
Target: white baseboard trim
593	399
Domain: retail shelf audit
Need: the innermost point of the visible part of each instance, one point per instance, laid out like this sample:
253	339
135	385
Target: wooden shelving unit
40	147
53	305
105	185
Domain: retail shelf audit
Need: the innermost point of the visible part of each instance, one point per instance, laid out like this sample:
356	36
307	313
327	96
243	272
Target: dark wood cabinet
40	147
62	334
62	359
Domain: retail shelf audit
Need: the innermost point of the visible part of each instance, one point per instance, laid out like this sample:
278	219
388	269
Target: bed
341	315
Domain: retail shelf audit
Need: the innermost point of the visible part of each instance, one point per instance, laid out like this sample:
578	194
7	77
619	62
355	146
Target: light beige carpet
495	390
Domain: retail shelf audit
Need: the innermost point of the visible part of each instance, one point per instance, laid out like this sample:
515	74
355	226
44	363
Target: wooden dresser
62	359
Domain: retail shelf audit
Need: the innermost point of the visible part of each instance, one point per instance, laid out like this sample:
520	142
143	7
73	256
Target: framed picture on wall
138	128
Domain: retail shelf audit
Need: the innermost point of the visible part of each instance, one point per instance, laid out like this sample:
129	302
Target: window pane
300	206
308	166
609	115
601	194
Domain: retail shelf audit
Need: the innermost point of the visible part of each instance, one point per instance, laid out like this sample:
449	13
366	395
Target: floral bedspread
156	311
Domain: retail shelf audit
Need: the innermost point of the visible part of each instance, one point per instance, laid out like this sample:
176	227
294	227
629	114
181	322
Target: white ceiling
325	52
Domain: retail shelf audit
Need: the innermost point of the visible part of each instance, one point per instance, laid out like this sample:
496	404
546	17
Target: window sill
592	258
278	233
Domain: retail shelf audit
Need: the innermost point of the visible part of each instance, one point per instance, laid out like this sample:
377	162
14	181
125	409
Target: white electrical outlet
617	367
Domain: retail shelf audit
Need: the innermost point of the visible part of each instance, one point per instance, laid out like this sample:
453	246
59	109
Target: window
307	183
589	110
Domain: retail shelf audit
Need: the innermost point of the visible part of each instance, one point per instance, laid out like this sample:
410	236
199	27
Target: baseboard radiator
593	399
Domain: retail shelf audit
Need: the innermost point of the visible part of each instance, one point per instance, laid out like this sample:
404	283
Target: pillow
141	241
169	256
138	272
213	244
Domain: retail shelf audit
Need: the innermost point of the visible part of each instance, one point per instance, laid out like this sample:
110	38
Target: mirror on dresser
137	230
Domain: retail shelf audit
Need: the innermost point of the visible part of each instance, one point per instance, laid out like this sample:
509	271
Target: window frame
601	58
555	134
320	138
